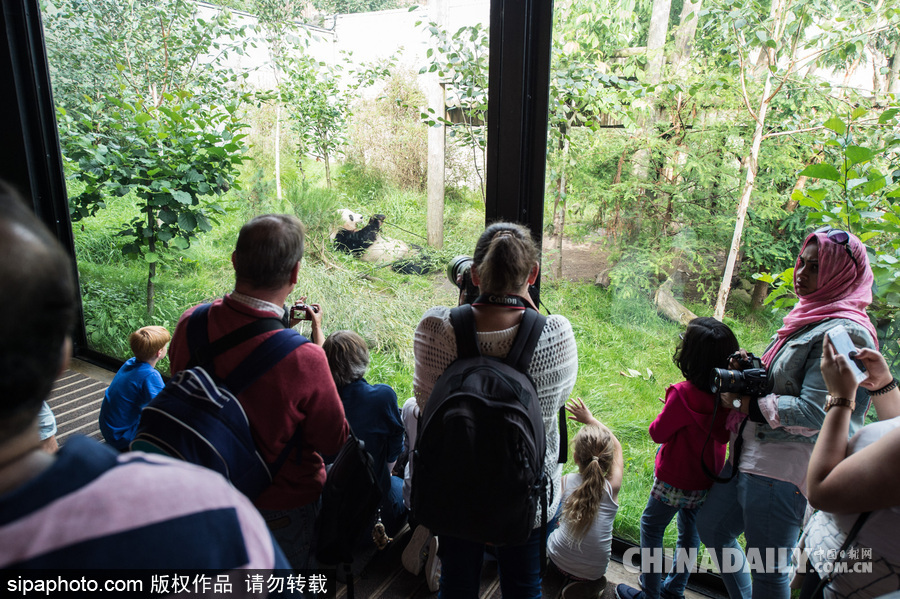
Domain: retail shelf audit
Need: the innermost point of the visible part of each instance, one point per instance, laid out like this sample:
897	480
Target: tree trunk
559	213
278	194
893	77
744	202
668	306
434	207
760	291
327	160
847	75
792	204
656	59
776	16
437	139
687	30
558	221
613	230
656	40
151	268
877	81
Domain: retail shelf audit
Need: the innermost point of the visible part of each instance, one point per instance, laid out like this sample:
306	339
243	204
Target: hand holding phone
842	343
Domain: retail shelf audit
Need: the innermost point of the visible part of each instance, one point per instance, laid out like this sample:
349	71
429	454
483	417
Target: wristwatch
831	401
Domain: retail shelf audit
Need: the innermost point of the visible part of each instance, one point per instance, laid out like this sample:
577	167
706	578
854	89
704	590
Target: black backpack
349	501
197	417
479	457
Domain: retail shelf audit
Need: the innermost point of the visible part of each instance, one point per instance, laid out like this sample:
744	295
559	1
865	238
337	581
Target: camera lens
458	266
722	379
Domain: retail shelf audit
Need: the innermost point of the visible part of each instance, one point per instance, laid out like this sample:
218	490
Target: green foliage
170	157
148	48
388	136
318	106
344	7
171	150
364	185
318	209
460	60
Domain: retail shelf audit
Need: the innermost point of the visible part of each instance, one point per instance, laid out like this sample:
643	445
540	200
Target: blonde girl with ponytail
582	544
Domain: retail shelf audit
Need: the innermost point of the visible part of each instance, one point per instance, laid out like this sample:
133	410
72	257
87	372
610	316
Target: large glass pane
694	146
180	121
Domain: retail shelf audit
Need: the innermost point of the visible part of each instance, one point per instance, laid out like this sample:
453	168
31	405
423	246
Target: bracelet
889	387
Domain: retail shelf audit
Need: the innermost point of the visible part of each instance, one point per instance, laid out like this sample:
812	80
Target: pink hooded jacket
681	428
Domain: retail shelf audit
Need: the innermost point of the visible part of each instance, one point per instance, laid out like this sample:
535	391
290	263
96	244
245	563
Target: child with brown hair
692	436
135	384
582	544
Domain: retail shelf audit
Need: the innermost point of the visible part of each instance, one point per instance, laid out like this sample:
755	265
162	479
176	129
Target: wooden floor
75	401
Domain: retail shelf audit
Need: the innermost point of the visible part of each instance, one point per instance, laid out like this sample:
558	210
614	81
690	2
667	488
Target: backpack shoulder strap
530	329
269	353
202	352
462	318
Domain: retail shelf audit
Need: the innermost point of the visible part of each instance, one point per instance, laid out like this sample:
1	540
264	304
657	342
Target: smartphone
844	345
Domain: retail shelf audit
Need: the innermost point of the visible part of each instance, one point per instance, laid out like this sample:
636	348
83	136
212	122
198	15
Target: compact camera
462	265
750	378
298	311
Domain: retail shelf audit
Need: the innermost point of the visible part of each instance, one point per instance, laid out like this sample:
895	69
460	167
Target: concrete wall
369	36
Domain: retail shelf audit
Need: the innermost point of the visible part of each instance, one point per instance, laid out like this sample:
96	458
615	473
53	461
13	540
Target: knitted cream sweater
554	367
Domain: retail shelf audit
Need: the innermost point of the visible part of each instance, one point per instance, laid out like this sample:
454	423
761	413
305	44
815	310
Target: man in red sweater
297	393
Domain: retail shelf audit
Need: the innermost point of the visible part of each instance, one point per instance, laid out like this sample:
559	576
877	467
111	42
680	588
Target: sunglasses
841	238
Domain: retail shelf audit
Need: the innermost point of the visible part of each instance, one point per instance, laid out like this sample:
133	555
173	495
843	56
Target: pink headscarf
844	291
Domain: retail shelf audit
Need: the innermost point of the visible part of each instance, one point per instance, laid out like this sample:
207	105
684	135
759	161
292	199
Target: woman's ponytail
504	257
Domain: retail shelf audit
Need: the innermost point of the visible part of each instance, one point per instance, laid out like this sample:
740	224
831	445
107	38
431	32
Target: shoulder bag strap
262	359
269	353
462	318
202	352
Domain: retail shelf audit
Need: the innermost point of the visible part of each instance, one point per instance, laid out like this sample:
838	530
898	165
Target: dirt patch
581	262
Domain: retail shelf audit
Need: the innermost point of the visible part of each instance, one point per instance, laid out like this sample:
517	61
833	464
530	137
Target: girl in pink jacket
691	432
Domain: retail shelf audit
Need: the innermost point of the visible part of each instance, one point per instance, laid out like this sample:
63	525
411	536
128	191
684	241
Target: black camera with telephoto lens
749	378
459	271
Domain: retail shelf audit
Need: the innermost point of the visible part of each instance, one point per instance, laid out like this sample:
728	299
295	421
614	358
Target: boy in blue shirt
136	383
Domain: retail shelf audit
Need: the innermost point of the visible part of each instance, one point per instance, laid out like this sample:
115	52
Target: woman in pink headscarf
774	434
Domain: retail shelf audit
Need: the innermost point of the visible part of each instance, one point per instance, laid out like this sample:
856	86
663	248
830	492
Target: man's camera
299	311
459	271
749	378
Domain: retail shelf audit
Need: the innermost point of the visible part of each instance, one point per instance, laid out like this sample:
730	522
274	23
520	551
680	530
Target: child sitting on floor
136	383
582	544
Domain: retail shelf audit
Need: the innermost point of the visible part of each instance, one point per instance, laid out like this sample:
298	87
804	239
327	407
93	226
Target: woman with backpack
505	264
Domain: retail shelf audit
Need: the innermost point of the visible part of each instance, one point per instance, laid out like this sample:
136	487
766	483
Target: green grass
615	330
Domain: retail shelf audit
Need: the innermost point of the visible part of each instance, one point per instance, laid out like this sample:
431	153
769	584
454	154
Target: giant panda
370	245
367	243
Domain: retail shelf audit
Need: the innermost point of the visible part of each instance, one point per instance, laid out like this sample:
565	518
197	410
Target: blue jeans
295	532
769	512
519	566
654	520
393	511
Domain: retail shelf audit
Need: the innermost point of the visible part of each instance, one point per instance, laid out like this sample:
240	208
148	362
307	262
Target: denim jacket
800	387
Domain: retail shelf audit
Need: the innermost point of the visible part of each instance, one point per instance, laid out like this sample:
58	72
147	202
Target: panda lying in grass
368	244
